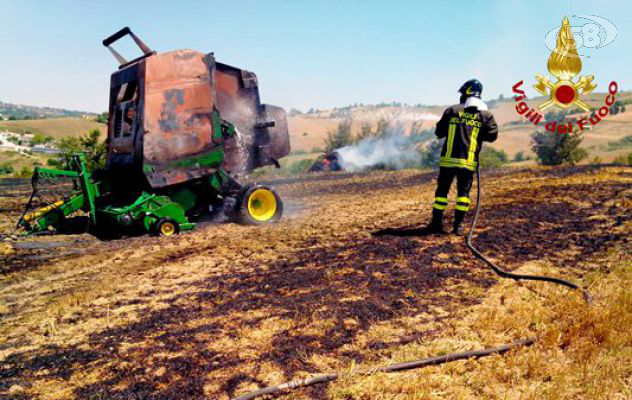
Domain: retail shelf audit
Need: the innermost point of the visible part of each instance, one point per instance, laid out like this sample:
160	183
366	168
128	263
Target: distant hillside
308	130
9	111
516	136
55	127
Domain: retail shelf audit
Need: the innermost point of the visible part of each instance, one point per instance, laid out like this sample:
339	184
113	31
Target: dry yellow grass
582	351
55	127
19	160
225	309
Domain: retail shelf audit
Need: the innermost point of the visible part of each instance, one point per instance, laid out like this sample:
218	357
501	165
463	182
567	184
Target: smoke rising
393	151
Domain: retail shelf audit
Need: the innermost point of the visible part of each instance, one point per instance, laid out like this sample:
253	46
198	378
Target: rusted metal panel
178	120
165	119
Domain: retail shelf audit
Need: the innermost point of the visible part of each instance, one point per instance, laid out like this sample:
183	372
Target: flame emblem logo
564	64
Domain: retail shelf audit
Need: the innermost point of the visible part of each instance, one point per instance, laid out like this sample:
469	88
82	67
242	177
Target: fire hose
389	368
506	274
323	378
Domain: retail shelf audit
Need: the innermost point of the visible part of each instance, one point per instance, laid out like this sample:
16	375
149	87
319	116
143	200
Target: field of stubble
226	308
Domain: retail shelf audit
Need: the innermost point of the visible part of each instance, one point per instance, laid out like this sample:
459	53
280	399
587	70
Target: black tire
250	211
166	227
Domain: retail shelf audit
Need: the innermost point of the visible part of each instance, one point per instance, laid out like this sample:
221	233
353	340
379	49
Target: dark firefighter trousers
464	178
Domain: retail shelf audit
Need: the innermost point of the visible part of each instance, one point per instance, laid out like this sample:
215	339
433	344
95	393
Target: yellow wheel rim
167	229
262	205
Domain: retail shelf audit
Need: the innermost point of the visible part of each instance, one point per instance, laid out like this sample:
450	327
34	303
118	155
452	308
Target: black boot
458	219
436	224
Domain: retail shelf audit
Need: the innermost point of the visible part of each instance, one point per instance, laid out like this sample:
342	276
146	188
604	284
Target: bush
596	160
340	137
40	139
6	168
365	131
89	144
431	153
519	156
102	118
557	149
382	129
492	158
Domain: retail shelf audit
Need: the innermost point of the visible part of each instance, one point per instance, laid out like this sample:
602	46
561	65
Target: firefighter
464	127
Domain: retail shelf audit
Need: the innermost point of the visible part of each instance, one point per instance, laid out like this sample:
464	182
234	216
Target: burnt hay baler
182	131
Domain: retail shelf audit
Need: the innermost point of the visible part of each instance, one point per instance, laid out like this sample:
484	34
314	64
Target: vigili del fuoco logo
565	91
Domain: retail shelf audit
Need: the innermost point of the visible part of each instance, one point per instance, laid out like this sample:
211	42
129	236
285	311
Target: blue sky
306	53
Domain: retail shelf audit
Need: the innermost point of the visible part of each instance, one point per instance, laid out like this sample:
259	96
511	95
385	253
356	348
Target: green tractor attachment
165	212
149	211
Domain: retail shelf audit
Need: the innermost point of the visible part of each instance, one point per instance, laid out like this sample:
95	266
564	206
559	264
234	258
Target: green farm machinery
149	211
183	130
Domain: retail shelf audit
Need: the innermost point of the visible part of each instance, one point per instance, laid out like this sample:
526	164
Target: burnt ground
226	308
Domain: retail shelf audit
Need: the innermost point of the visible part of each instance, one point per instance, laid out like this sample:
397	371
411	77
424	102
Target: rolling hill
308	131
55	127
21	111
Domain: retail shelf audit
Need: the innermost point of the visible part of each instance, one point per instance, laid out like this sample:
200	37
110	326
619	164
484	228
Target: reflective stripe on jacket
464	130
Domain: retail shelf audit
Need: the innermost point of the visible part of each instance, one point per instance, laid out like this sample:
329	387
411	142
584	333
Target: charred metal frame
172	117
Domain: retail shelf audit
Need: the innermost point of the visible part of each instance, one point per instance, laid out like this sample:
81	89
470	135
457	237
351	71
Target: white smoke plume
393	151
